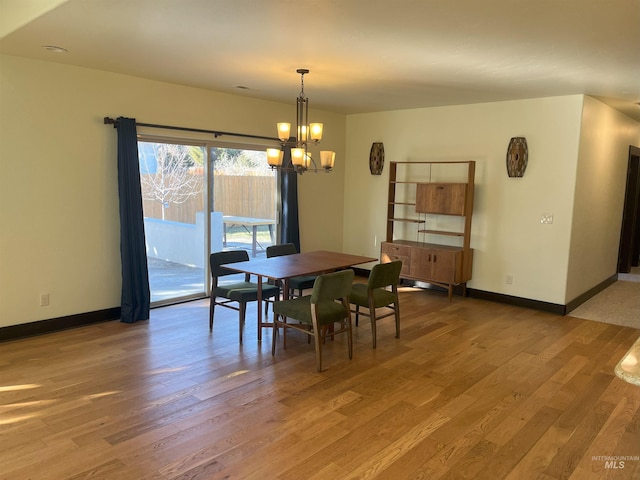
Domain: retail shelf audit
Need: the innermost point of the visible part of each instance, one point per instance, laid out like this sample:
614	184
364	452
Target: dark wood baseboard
518	301
576	302
560	309
30	329
483	295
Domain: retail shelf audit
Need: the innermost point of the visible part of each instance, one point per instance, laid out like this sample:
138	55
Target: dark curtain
136	297
289	228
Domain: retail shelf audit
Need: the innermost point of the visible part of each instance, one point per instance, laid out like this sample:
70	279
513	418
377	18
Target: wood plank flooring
472	389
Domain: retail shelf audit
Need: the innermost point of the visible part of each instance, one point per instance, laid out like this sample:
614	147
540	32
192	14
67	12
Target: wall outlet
509	279
546	218
44	299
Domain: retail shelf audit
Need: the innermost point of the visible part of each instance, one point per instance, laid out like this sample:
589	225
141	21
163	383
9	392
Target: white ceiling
364	55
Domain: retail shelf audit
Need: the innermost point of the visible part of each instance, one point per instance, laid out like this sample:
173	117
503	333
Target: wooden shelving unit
432	262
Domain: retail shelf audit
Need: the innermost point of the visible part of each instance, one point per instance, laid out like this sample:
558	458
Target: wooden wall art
517	157
376	158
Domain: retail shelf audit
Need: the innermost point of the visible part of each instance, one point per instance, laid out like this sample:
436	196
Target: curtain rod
216	133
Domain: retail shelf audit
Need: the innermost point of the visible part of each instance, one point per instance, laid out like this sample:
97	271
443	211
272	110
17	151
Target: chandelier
301	159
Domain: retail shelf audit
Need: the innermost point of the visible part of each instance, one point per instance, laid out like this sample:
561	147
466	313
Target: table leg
285	289
254	240
260	308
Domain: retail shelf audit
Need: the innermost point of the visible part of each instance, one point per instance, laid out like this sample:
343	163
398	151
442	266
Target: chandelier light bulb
284	131
274	157
316	131
297	157
327	159
302	133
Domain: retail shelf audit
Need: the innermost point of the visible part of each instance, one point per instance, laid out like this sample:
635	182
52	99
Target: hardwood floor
472	389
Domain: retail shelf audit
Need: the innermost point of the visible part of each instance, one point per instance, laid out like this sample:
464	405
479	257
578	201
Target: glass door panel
244	200
172	177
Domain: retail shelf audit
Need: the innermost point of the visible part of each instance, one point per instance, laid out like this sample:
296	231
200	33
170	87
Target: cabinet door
443	266
441	198
436	265
421	263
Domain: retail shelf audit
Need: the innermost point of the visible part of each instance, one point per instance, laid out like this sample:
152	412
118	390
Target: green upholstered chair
296	283
233	293
318	314
381	290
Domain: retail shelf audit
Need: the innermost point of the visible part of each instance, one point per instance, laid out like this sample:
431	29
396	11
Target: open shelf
410	220
442	232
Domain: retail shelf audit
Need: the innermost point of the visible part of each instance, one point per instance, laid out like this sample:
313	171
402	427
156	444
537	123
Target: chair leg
284	333
318	345
374	334
396	307
212	305
350	337
357	313
275	334
243	312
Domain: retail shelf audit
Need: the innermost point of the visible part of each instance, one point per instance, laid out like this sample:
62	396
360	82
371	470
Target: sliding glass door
182	181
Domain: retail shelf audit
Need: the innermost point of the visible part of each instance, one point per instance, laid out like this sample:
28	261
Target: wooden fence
242	196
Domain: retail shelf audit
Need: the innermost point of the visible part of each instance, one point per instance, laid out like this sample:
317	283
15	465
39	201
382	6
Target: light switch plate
546	218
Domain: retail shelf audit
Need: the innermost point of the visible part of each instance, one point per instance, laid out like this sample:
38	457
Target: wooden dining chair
234	295
318	314
381	290
300	283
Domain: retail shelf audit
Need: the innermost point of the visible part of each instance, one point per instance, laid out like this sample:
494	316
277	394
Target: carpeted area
618	304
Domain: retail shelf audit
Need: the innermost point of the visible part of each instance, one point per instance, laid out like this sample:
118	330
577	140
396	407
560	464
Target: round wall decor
376	158
517	156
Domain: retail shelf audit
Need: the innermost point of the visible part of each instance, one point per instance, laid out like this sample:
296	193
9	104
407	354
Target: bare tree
231	161
170	178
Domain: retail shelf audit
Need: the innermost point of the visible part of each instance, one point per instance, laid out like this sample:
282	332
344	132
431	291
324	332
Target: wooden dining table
284	267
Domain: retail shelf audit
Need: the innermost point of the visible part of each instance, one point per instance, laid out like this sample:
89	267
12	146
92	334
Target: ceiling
363	55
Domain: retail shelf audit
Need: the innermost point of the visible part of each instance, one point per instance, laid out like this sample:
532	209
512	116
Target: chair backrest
385	274
217	260
332	286
280	250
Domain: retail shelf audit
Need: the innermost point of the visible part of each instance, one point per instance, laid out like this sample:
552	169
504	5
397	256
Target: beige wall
58	181
507	235
599	195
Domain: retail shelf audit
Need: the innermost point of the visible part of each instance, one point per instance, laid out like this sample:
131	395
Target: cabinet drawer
391	252
395	249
